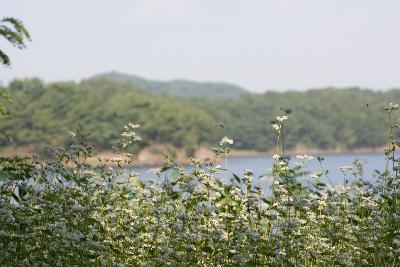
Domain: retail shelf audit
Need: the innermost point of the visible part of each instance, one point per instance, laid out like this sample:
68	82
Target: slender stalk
389	141
283	141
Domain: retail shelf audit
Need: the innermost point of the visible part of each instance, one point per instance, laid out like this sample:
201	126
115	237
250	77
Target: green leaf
237	179
207	249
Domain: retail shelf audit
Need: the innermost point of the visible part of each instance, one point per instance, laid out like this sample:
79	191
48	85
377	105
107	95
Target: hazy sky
259	45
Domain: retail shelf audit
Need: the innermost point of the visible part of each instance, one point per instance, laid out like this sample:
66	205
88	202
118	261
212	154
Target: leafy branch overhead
14	31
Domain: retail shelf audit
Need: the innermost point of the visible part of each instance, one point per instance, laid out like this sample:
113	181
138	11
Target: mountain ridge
178	87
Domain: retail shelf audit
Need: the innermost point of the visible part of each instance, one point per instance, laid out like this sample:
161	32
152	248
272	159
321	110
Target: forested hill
325	118
328	118
183	88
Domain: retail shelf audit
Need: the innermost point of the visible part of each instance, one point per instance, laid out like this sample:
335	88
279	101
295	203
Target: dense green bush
65	212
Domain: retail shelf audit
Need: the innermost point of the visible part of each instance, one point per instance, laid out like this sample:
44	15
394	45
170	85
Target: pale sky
257	44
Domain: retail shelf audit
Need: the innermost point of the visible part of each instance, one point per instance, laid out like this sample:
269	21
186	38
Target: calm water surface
332	163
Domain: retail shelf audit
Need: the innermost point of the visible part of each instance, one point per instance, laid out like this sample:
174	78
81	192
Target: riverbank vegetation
65	212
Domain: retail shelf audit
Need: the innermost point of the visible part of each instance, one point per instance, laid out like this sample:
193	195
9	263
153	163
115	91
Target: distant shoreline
148	157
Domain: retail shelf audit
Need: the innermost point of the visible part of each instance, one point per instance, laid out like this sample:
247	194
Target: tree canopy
324	118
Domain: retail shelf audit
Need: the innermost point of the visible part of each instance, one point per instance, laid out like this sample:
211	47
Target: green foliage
45	114
14	32
325	118
64	212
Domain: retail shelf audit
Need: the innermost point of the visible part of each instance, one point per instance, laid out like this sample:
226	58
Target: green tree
14	31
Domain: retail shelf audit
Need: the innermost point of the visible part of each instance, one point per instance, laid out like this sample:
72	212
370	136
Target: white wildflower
393	106
298	165
282	163
346	168
248	176
305	157
72	134
281	118
276	127
226	140
195	161
248	173
117	159
316	175
131	135
339	189
134	126
154	170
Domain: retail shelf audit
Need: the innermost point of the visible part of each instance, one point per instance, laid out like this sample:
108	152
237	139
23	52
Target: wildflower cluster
226	141
64	212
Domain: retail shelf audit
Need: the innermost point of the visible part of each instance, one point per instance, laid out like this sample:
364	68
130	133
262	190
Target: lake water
332	163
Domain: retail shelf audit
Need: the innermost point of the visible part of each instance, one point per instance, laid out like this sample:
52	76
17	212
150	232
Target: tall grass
65	212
